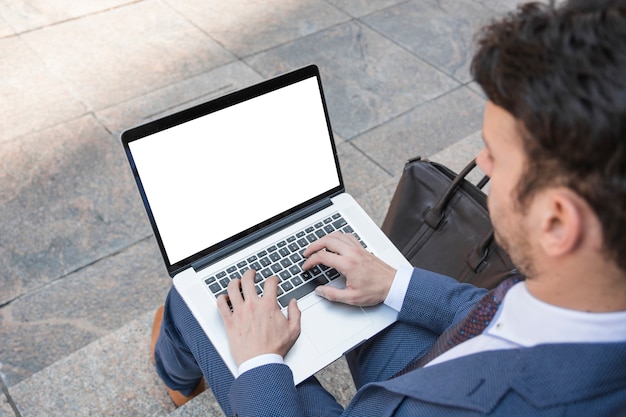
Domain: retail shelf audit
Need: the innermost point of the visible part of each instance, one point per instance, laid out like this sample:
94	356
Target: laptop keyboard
284	259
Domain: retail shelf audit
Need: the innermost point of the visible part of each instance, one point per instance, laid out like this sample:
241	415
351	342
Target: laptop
248	181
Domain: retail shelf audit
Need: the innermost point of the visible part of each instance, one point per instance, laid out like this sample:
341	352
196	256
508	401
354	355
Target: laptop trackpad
328	324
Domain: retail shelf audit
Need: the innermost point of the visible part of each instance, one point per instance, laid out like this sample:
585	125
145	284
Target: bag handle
434	216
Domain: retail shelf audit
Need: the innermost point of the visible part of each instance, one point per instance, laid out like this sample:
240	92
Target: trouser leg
184	354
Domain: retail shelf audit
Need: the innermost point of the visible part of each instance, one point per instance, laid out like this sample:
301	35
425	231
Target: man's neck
599	290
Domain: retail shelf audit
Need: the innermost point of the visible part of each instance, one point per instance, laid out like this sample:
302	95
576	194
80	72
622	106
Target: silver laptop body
233	182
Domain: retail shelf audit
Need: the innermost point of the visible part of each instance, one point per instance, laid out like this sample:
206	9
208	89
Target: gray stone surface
110	377
439	31
32	98
22	15
245	27
361	71
135	49
46	325
67	199
5	408
424	130
81	274
174	97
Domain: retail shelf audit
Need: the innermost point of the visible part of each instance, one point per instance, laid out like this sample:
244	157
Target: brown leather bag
440	222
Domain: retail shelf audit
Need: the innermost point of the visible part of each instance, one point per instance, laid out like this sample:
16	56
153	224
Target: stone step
114	376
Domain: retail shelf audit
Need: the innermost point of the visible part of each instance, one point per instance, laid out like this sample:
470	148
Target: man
555	149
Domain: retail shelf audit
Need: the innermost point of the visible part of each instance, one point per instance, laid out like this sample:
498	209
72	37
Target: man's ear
562	222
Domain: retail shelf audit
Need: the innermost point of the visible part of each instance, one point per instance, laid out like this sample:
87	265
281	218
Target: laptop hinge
261	234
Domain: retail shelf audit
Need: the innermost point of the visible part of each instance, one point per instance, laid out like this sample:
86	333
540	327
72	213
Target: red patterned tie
472	325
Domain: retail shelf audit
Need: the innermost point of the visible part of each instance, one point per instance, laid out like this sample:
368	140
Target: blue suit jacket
547	380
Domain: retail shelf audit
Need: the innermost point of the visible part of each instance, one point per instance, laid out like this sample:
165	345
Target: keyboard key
299	292
338	224
215	288
295	257
275	257
315	271
332	274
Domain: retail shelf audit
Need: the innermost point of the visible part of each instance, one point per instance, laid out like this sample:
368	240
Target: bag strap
434	216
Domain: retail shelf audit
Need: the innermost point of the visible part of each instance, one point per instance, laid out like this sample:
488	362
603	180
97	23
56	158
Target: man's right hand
368	279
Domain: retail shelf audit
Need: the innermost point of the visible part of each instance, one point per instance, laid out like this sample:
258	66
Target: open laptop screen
223	174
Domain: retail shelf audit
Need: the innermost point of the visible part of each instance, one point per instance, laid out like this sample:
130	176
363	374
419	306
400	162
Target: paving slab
358	170
44	326
183	94
5	408
500	6
424	130
23	15
439	31
365	76
245	27
133	50
32	98
113	376
67	199
360	8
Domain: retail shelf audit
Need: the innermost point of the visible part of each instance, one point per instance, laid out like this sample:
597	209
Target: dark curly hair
561	72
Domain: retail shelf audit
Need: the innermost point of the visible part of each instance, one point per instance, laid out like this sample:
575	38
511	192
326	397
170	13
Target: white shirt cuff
399	287
260	360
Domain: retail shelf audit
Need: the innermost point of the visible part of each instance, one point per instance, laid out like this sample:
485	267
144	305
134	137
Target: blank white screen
213	177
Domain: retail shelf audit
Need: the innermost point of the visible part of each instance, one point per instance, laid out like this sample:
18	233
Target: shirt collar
527	321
